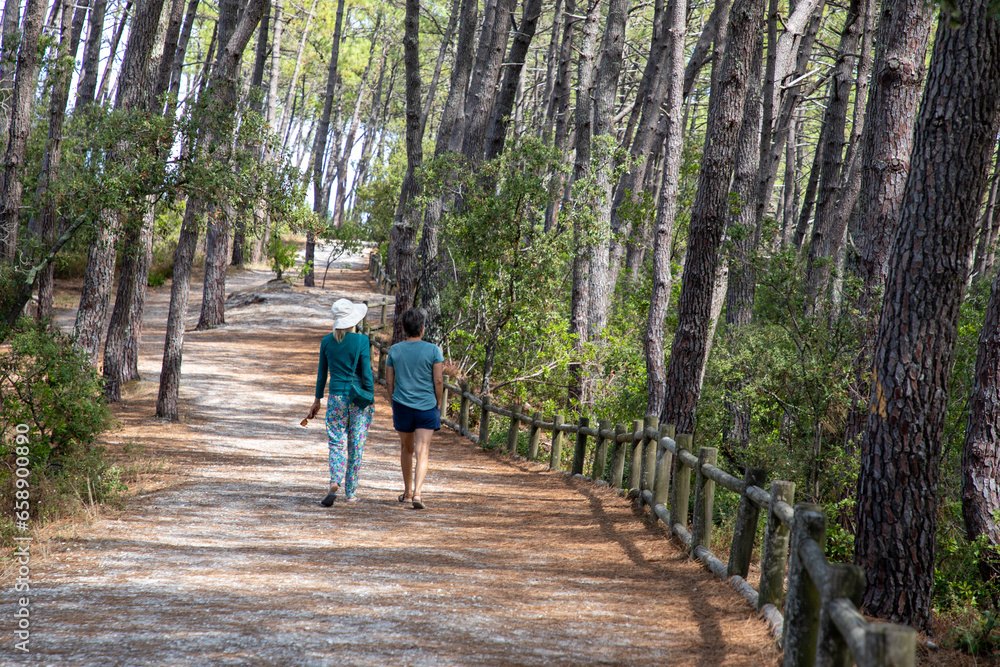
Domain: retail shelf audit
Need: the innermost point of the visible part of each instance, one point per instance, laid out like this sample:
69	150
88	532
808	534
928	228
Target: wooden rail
820	623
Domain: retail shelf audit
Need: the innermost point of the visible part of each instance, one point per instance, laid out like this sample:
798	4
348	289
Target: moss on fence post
382	355
774	552
535	436
463	409
891	644
704	500
664	464
514	429
745	529
555	460
600	450
804	599
484	422
580	452
635	460
649	445
682	483
842	581
618	458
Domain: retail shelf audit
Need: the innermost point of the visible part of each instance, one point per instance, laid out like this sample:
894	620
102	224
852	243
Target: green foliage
982	638
46	383
377	199
501	302
281	254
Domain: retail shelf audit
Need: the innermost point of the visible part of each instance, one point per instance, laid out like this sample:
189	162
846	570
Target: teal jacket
335	363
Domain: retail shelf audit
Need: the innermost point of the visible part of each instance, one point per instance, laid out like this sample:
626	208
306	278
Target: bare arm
390	380
438	382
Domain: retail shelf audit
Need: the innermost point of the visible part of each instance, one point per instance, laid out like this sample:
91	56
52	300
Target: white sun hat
347	313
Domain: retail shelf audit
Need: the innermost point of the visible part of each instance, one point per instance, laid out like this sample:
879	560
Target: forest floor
225	557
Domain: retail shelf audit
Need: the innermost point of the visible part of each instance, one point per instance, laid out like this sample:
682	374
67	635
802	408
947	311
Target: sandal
330	497
352	499
402	498
417	505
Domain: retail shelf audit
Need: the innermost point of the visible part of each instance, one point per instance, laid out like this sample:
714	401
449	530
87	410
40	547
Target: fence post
704	499
843	581
555	460
804	601
444	399
382	355
484	421
514	429
600	450
649	446
891	644
618	458
664	462
774	553
682	483
463	408
381	319
580	453
535	433
746	526
635	461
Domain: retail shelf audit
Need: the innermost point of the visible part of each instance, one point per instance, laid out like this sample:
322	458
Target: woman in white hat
344	358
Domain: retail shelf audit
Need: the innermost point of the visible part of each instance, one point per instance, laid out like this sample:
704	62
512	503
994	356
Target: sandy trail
235	563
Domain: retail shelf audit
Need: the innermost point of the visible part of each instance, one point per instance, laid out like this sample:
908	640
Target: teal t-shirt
413	363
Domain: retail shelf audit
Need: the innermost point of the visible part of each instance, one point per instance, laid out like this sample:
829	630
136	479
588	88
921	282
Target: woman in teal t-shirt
414	377
344	356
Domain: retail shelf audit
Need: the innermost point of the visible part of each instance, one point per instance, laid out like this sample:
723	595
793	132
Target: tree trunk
898	72
22	101
981	452
439	65
182	45
988	225
496	132
320	196
404	229
46	224
702	52
482	91
286	120
822	246
560	104
218	236
102	91
726	104
220	104
914	350
11	37
666	211
428	250
605	95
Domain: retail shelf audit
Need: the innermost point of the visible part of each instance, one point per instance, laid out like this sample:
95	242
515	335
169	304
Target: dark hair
413	322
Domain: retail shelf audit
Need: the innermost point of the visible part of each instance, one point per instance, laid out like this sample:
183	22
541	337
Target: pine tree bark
914	350
981	451
45	223
218	233
11	37
220	104
605	95
427	252
823	246
513	67
320	194
666	211
102	91
483	87
404	229
689	348
22	102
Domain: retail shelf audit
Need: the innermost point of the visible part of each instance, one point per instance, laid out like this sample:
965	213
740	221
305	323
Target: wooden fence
820	623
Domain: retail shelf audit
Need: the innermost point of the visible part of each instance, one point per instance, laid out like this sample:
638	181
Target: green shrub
47	384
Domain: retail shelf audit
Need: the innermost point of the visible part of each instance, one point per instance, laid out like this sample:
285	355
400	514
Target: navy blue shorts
408	420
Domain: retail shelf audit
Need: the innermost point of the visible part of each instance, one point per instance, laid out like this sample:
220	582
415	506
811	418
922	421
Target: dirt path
233	562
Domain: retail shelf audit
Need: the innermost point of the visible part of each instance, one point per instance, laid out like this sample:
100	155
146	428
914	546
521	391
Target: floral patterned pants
347	429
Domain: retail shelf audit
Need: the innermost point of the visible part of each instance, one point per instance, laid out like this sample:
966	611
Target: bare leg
422	448
406	463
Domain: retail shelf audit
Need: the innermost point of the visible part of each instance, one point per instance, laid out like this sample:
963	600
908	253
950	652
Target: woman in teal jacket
344	356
